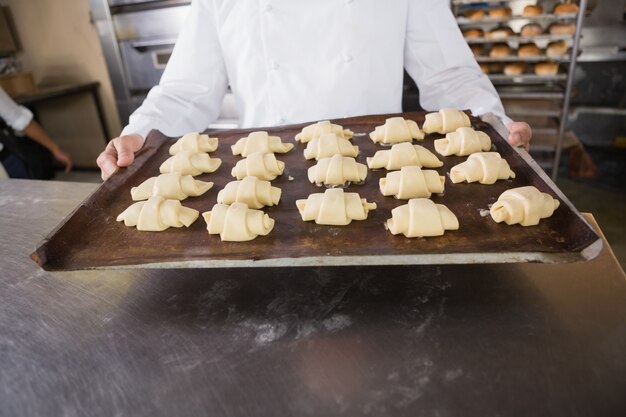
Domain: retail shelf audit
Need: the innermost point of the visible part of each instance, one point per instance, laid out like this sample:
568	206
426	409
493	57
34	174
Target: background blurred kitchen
82	66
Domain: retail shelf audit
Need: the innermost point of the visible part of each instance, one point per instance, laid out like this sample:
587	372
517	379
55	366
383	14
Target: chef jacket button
268	8
347	58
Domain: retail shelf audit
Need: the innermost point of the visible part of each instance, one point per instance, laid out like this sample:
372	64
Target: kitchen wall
60	44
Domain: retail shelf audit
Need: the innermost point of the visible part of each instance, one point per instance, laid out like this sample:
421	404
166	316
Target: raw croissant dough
252	191
523	205
260	142
445	121
320	128
484	167
237	222
334	207
421	217
194	143
157	214
264	166
412	182
337	170
188	163
170	186
329	144
404	154
396	130
462	142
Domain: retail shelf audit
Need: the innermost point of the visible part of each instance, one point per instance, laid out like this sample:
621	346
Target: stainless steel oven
137	38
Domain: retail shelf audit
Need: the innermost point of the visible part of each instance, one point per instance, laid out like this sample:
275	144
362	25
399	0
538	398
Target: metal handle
152	43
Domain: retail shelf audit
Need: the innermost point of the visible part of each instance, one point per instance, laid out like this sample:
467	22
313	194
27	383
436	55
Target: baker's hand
520	134
120	152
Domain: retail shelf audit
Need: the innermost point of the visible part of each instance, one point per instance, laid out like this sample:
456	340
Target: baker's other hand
520	134
63	158
120	152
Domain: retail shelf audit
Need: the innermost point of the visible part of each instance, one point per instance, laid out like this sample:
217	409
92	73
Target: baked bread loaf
473	33
515	68
546	68
475	14
500	12
523	205
532	10
557	49
500	50
565	8
562	29
528	50
485	68
531	30
477	50
420	217
500	33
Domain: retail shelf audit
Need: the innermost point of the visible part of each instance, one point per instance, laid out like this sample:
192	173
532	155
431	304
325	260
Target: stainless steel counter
438	340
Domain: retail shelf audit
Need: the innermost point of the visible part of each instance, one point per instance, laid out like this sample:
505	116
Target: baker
293	61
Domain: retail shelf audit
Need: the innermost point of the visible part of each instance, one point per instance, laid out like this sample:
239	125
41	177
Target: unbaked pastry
420	217
327	145
412	182
188	163
157	214
264	166
337	170
462	142
445	120
484	167
396	130
237	222
334	207
252	191
194	143
174	186
523	205
260	142
318	129
404	154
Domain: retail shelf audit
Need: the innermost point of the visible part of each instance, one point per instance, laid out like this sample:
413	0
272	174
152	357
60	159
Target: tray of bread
411	188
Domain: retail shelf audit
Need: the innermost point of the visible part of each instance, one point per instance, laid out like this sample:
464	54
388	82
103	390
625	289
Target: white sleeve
442	65
190	93
16	116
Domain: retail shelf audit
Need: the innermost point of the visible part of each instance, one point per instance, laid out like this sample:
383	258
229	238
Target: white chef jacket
292	61
14	115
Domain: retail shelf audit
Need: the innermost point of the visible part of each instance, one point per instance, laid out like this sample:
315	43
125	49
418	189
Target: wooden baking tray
91	238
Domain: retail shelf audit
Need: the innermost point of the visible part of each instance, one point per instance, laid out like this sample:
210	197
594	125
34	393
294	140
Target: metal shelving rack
530	86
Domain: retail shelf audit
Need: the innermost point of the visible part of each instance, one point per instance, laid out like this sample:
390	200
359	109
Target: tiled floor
607	204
